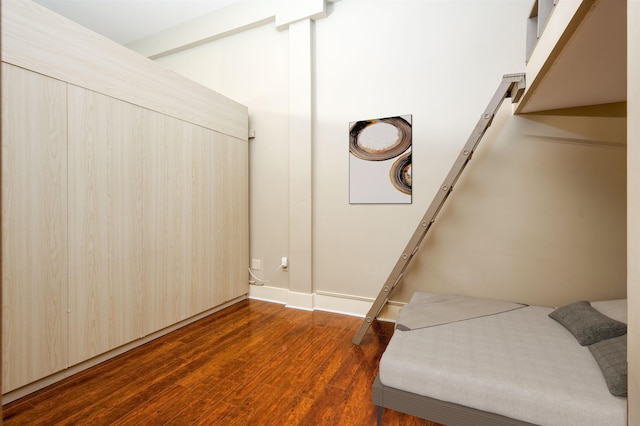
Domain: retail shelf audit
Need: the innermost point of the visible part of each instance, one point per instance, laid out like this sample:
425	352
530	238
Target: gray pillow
587	324
611	356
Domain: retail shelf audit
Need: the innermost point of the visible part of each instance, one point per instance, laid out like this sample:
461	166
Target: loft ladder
512	86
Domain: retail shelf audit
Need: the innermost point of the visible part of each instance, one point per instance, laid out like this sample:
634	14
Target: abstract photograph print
380	161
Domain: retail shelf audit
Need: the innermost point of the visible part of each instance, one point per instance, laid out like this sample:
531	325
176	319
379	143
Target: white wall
523	223
538	217
440	61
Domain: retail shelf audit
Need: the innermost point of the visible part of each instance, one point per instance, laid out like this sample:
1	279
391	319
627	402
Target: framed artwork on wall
380	160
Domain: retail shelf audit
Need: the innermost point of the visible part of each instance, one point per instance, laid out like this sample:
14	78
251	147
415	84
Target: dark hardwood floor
253	363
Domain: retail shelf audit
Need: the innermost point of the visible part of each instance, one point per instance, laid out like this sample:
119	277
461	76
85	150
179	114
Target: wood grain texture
105	223
252	363
168	198
220	219
34	226
201	293
157	219
195	230
35	38
228	216
237	181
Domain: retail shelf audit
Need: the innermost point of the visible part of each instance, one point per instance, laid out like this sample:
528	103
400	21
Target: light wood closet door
239	217
168	242
196	221
228	214
203	282
105	223
222	212
34	227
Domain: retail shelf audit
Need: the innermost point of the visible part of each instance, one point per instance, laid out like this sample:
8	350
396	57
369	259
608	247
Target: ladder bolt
386	288
424	224
487	116
368	319
465	152
445	188
404	256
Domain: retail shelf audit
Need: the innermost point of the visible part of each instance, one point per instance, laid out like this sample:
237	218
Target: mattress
518	363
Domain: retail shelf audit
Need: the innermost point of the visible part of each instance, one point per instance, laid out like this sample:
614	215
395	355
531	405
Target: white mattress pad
520	364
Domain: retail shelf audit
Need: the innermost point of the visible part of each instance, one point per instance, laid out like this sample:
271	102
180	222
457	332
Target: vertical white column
300	173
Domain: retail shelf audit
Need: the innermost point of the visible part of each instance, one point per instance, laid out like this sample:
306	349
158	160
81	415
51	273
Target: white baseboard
323	301
268	294
342	305
300	301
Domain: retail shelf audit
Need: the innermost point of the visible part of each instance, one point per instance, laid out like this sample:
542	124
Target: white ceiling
125	21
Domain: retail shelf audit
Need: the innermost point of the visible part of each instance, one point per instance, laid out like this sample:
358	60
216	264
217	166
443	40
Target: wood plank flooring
253	363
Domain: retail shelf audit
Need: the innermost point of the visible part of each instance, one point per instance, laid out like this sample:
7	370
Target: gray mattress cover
519	364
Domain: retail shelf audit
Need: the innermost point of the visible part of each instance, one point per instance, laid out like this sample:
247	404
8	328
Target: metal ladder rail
512	86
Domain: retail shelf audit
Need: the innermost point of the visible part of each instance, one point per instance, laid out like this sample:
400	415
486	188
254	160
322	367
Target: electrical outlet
256	264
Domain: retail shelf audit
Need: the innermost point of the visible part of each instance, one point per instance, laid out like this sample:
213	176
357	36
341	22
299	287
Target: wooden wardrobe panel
223	211
105	223
220	203
167	227
34	227
203	281
228	215
196	221
238	182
